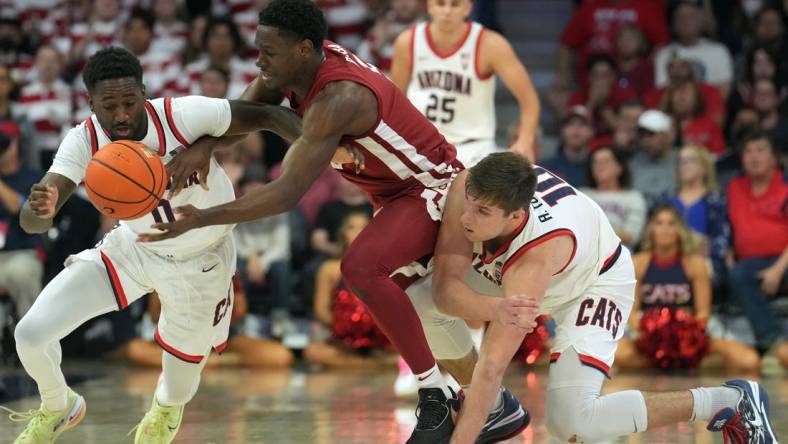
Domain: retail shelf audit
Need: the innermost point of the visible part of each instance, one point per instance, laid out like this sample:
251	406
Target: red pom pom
354	325
535	343
672	339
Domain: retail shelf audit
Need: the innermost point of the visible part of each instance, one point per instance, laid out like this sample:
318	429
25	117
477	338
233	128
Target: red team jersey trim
92	136
171	122
539	240
590	361
193	359
446	55
504	247
159	128
117	288
476	57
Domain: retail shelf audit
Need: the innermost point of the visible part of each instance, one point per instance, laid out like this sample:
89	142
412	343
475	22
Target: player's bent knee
567	416
29	334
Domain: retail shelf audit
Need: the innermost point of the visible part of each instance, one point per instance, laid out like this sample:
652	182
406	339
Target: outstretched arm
340	108
530	275
45	200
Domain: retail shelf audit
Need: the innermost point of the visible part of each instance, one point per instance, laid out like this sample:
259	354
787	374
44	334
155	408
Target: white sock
55	400
498	399
707	401
432	378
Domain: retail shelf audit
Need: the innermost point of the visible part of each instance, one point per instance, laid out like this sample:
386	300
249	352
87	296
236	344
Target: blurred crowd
662	105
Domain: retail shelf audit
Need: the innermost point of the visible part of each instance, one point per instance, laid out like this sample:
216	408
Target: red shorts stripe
193	359
114	281
220	348
586	360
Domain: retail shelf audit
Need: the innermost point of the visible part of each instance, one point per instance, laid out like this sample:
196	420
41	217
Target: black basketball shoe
435	424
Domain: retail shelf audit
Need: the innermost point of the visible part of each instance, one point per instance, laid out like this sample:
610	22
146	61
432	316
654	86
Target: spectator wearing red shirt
603	94
634	64
684	102
680	71
592	29
757	209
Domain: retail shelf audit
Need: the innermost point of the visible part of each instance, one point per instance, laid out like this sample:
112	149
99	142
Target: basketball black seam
144	161
120	173
115	200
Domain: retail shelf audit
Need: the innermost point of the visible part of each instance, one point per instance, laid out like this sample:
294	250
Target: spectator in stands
378	45
766	100
347	21
21	270
46	104
240	351
334	305
710	60
7	92
654	160
264	256
101	29
593	29
14	50
684	103
634	59
157	65
679	72
214	82
169	31
610	181
325	237
759	223
195	48
245	14
761	65
671	274
571	160
769	32
626	131
222	43
702	206
603	94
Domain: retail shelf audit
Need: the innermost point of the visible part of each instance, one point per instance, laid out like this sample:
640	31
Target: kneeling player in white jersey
192	273
446	67
514	230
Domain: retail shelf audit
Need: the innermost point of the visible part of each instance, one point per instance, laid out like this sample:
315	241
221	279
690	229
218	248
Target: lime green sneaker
160	424
43	426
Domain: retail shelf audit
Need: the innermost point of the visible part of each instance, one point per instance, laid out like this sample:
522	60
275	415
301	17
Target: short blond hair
707	160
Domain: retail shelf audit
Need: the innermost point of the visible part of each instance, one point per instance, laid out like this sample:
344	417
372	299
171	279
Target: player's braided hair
302	19
111	63
506	180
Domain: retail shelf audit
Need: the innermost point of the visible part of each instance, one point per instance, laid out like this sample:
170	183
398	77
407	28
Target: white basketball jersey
173	124
557	209
449	89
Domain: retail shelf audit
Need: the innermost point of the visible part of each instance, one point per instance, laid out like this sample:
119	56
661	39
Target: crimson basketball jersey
403	151
557	209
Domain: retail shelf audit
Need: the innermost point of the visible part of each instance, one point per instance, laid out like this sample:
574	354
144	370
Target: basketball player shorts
470	153
195	291
591	323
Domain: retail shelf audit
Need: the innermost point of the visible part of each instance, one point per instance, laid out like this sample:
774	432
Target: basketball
124	180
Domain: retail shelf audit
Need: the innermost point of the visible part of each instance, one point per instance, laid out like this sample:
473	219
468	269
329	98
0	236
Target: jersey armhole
477	52
540	240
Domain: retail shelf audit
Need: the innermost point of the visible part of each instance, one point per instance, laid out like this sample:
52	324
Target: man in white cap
654	164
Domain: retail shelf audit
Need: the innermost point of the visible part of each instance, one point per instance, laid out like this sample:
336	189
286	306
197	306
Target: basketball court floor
321	407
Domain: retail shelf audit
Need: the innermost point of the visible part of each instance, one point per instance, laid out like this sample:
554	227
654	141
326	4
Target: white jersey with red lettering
173	124
557	209
449	89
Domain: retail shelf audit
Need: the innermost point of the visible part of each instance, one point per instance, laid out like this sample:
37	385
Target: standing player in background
192	274
408	168
550	249
446	68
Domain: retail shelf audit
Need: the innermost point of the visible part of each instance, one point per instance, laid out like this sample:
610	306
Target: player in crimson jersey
409	166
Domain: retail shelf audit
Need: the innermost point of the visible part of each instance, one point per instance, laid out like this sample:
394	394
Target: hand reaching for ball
43	200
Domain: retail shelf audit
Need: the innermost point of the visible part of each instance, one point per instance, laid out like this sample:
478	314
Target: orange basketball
124	180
